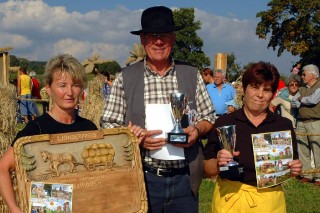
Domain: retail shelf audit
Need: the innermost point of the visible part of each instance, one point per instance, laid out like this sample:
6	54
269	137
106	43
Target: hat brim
157	30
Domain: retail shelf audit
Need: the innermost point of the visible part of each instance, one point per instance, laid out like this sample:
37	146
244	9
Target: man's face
218	78
158	46
307	77
205	78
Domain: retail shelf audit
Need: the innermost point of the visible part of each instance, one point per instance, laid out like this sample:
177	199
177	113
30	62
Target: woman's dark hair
261	73
23	70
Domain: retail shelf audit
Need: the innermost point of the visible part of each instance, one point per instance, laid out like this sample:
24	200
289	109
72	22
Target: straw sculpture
8	123
93	104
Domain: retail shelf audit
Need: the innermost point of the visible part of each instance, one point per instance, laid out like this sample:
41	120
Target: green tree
23	62
233	69
294	26
112	67
14	61
188	43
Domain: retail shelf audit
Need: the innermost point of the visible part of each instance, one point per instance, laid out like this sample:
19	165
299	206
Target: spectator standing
284	98
308	102
172	185
106	87
220	92
24	93
35	92
207	76
296	69
45	100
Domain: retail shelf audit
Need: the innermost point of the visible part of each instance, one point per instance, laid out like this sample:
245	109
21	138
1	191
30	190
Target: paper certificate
158	117
272	154
50	197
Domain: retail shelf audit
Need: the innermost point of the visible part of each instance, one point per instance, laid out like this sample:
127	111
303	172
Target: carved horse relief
58	158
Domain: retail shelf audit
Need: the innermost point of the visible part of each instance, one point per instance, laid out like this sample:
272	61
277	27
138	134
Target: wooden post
4	66
220	61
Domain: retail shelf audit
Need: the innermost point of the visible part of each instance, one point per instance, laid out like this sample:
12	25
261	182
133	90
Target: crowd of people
172	185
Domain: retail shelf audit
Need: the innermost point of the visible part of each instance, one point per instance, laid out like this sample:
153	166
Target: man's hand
295	167
152	143
295	104
193	136
145	137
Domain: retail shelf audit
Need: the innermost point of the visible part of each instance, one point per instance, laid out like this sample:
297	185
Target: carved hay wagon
97	155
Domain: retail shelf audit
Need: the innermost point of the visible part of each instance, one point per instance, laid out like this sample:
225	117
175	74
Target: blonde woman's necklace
58	120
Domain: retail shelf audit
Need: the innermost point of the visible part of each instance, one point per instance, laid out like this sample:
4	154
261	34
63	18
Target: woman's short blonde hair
65	63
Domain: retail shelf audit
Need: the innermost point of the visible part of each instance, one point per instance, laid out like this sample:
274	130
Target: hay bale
93	104
8	123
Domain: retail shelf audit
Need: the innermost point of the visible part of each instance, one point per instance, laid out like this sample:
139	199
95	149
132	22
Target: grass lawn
300	197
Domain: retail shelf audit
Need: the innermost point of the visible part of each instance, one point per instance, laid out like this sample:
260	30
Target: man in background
308	102
220	92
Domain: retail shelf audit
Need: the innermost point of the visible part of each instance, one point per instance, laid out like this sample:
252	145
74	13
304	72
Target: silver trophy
179	102
227	138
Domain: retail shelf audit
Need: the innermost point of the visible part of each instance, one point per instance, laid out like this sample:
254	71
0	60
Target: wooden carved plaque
104	167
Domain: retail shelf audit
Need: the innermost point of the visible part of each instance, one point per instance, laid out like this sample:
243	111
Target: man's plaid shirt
156	91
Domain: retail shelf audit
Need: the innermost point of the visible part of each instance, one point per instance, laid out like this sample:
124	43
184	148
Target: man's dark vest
309	111
133	83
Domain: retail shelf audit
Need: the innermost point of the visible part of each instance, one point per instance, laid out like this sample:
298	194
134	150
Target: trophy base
232	172
177	138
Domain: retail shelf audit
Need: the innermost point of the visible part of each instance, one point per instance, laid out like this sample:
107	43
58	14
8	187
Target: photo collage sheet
272	154
50	198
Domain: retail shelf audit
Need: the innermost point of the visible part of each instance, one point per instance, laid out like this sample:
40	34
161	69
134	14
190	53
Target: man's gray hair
311	68
220	71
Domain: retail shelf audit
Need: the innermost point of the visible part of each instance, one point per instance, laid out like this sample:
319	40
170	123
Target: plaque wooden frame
104	167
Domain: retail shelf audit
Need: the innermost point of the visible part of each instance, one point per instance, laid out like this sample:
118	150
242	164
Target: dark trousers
170	194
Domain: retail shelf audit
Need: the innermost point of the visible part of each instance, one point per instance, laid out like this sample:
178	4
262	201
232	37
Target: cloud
38	31
7	39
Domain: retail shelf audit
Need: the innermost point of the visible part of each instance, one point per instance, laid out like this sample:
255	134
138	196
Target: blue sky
235	8
37	30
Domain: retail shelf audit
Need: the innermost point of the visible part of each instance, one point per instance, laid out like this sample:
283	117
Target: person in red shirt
35	92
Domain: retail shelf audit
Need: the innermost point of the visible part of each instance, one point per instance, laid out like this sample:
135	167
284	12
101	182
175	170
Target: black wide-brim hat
157	19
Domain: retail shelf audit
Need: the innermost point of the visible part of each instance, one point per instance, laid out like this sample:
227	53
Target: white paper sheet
158	117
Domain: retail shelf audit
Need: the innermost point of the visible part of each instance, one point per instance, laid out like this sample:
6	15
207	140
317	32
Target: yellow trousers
236	197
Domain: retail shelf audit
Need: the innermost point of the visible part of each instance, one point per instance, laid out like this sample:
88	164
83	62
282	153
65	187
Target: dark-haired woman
260	82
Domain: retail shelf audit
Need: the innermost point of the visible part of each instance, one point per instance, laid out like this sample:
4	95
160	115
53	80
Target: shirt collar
223	85
242	116
149	72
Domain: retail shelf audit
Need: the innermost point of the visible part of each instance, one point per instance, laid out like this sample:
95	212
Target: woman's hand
138	131
15	210
224	157
295	167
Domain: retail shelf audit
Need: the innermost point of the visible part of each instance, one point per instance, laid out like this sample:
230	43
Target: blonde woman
65	79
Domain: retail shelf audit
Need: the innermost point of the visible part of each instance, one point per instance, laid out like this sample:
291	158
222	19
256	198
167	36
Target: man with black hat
172	184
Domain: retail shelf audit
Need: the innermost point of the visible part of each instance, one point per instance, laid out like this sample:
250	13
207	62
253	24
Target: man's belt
166	172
